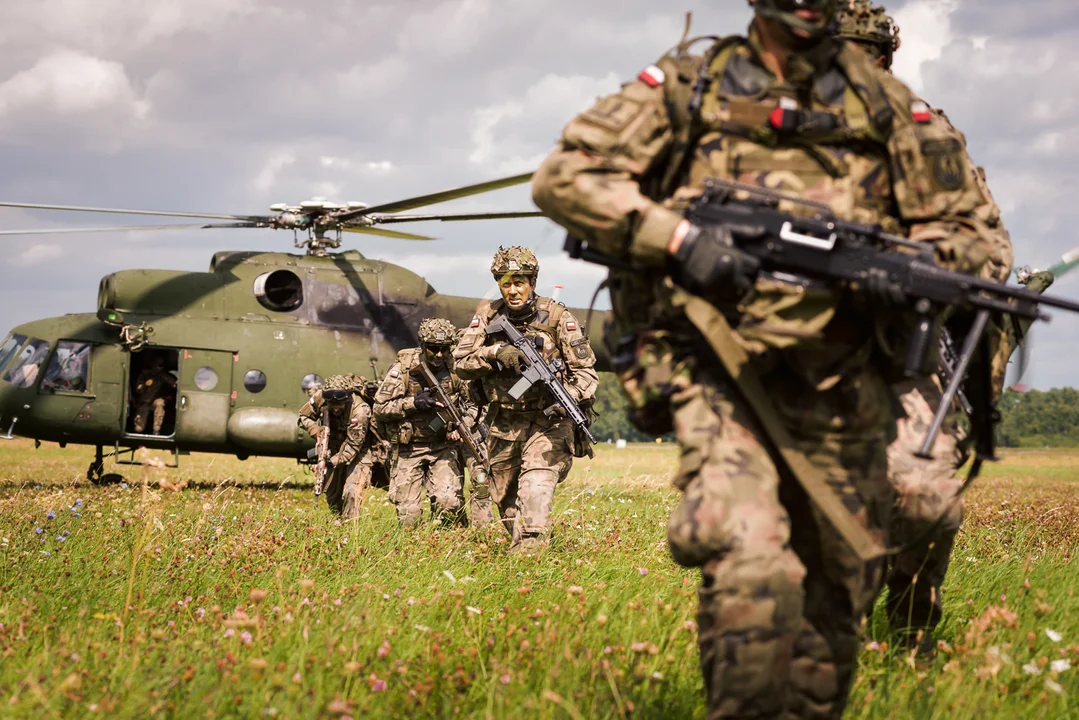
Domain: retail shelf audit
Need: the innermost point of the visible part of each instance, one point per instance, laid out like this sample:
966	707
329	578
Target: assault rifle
539	370
456	421
822	249
322	452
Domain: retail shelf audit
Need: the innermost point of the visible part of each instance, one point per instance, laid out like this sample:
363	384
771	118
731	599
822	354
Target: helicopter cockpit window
311	383
255	381
206	378
69	370
27	366
10	347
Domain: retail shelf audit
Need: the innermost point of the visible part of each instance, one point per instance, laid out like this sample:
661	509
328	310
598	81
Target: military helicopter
246	342
1067	262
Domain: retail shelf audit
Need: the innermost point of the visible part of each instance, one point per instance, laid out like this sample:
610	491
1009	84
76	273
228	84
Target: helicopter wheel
110	479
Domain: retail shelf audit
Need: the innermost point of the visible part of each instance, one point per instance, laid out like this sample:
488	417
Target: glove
510	357
424	400
708	264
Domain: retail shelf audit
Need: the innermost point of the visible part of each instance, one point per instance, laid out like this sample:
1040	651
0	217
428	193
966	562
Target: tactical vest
545	324
421	429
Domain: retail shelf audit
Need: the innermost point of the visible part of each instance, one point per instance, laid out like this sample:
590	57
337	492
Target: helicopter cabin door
204	396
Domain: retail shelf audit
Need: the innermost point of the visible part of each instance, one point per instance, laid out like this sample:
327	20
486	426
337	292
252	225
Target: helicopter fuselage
244	345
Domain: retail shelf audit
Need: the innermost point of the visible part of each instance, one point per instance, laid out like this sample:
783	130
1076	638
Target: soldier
794	109
151	388
929	505
427	459
531	451
353	447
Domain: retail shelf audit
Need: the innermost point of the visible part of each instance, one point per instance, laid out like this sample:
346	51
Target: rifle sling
717	332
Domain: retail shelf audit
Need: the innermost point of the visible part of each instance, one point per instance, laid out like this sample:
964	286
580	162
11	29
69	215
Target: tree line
1029	419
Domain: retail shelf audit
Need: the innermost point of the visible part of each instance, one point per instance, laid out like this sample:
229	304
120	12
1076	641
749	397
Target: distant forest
1029	419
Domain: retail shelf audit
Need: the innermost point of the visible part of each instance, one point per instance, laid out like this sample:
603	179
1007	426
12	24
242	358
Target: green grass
237	596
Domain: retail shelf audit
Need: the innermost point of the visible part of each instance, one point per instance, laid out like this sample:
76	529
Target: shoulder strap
684	86
862	74
717	332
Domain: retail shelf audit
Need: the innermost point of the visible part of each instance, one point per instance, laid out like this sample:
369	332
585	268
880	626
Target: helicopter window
11	346
311	383
24	372
205	378
69	370
255	381
279	290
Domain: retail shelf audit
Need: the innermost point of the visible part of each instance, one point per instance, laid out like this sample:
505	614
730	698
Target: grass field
222	590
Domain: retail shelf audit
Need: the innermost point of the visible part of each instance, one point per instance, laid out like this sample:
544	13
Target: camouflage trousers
928	508
528	461
434	470
142	415
346	486
782	596
480	509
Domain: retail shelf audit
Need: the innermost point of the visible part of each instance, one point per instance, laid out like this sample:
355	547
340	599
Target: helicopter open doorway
152	393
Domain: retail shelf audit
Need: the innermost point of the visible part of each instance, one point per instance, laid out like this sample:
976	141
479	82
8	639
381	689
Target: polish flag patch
395	373
571	325
920	112
652	76
475	321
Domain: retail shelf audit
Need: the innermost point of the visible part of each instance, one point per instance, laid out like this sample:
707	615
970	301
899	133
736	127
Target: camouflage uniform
781	596
530	451
929	507
151	386
425	461
354	447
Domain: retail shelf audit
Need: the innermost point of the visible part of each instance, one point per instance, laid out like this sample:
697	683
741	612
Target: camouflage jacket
855	138
563	337
395	406
349	430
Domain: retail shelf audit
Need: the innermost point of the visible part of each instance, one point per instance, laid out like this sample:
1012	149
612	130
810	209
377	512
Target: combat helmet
867	24
514	260
437	331
338	387
783	11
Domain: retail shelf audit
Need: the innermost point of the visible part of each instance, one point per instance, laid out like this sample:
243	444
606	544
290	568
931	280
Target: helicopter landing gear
96	472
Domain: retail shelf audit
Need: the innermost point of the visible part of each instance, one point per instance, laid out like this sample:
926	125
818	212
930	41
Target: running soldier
790	108
354	448
426	459
531	443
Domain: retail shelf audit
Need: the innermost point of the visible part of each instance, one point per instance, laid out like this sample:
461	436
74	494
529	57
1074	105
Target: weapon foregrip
920	343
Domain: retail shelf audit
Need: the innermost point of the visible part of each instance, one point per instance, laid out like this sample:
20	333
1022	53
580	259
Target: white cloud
36	255
267	176
925	30
72	85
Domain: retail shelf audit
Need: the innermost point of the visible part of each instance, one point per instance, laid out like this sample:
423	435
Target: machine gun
322	452
539	370
821	248
456	420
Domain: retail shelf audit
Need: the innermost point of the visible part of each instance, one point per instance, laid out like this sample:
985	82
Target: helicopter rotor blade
453	217
443	196
118	211
122	228
387	233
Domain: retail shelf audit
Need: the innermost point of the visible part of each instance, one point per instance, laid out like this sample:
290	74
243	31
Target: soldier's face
516	290
436	354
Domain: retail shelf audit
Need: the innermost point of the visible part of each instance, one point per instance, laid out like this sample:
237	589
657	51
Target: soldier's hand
424	400
453	435
510	357
708	264
334	460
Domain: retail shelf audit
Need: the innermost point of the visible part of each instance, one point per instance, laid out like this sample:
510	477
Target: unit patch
613	113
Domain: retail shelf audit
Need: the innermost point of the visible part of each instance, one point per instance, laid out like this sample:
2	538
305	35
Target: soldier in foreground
784	584
339	412
426	457
929	505
531	443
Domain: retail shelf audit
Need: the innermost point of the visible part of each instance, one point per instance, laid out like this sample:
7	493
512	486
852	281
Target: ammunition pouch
402	434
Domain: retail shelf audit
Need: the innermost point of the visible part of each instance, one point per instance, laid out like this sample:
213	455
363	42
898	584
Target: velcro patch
571	325
948	146
578	341
395	373
613	113
475	321
467	343
920	112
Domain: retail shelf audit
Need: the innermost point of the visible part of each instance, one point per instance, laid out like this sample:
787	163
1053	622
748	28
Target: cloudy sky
231	105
